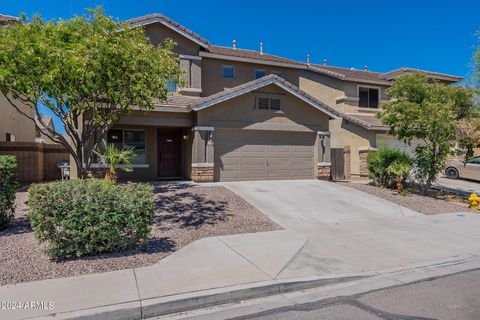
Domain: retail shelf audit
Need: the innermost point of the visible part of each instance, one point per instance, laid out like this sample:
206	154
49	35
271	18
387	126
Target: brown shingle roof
178	101
157	17
350	73
368	122
4	19
399	72
258	83
251	54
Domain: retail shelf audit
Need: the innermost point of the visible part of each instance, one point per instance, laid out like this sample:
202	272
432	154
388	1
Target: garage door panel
252	161
278	148
262	155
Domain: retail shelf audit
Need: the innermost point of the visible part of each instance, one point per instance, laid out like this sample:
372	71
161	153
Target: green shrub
379	161
87	217
8	187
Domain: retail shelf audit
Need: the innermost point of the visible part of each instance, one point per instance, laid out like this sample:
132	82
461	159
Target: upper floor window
268	103
260	74
369	97
171	86
228	72
278	73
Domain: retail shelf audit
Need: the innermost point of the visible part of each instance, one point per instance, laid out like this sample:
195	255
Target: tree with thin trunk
88	71
427	113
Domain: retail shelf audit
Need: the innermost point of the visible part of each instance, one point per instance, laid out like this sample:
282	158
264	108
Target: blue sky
384	35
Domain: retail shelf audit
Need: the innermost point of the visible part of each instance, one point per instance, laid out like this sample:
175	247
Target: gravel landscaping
416	202
185	213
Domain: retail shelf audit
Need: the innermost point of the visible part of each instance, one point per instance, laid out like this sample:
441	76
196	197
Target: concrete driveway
301	204
348	231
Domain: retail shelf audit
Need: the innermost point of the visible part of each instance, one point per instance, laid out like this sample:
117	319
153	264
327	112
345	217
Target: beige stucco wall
324	88
330	90
158	33
240	112
344	133
14	123
213	82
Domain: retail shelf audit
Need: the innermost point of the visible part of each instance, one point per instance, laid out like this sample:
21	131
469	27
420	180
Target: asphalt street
454	297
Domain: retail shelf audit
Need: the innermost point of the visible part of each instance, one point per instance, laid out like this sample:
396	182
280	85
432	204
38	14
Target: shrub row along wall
35	161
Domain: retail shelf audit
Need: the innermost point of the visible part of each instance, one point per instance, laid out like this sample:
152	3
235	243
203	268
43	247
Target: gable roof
259	83
249	56
169	23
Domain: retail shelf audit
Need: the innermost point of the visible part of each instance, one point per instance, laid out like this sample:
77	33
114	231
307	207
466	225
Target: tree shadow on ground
151	246
186	208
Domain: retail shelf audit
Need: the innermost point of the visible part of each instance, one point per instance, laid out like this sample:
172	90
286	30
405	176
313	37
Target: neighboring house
248	115
14	126
6	19
40	137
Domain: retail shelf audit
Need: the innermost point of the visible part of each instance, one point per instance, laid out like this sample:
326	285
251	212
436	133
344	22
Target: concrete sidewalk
311	251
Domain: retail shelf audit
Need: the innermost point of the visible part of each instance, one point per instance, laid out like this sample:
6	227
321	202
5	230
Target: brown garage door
263	155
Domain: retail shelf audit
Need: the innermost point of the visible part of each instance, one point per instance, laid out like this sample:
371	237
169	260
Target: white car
461	169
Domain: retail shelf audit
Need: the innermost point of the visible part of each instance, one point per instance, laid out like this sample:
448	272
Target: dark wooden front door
169	153
338	164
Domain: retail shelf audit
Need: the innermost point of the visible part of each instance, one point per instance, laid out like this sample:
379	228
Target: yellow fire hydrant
474	201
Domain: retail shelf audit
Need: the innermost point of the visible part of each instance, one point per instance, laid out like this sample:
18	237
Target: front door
169	153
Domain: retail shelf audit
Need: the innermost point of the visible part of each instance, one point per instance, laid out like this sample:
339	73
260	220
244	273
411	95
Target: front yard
436	203
184	213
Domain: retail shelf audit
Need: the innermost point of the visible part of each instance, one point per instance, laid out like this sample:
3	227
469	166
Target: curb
154	307
354	282
208	298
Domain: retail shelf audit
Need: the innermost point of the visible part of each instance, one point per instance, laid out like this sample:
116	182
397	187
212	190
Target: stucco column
202	154
323	155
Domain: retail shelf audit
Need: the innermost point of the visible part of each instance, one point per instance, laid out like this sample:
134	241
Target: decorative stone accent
324	171
98	173
202	173
362	154
363	163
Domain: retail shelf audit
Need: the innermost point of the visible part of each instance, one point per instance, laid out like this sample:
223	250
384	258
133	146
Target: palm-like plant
113	157
400	170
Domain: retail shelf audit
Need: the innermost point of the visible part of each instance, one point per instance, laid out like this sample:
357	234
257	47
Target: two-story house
248	115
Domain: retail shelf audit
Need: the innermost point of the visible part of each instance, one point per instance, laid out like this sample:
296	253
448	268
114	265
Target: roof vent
365	68
324	61
234	44
261	47
308	59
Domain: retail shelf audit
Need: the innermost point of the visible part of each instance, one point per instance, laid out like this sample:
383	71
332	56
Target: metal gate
338	163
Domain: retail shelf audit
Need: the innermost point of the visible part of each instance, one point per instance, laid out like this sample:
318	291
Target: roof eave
251	60
153	20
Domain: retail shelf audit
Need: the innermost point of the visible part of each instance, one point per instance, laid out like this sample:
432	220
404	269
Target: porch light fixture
185	137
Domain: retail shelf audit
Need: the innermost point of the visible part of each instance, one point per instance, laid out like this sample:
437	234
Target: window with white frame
264	102
369	97
278	73
129	138
260	73
228	72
